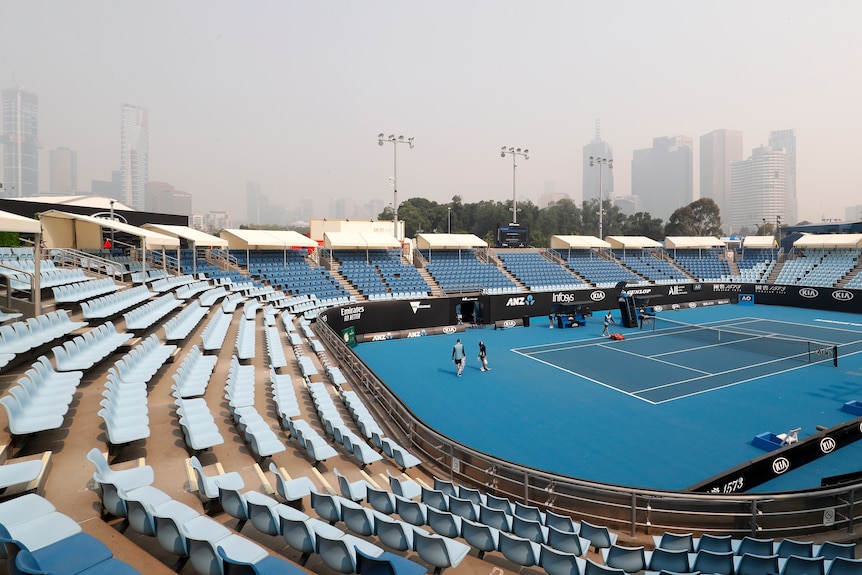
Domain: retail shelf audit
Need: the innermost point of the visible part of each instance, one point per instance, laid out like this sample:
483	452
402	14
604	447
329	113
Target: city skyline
293	97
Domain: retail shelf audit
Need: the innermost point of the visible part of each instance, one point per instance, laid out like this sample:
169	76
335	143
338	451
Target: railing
627	509
96	265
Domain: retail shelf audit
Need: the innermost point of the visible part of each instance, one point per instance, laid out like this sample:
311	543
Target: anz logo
780	465
519	301
810	293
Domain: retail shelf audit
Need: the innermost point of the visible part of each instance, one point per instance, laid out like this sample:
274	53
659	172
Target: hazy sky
293	94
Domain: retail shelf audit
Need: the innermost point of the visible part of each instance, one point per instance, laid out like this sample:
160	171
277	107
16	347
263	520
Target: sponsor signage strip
774	463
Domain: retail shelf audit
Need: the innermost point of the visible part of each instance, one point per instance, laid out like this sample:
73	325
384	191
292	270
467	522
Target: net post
835	355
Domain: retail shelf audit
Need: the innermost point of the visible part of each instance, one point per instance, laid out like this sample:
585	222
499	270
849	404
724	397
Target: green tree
642	224
699	218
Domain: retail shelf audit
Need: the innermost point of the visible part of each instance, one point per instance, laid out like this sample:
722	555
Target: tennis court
683	359
547	415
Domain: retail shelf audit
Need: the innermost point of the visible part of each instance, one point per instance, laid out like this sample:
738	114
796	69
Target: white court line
544	348
590	379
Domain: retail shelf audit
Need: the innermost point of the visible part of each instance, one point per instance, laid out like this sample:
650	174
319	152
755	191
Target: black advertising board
409	315
774	463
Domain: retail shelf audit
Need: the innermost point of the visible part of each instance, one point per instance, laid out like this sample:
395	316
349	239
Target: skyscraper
63	165
786	140
20	137
598	148
758	189
253	203
717	150
662	175
134	156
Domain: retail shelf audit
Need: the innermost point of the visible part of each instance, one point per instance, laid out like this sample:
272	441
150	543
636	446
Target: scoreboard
512	236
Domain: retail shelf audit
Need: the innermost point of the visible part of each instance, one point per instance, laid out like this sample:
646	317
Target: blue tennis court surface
653	411
683	360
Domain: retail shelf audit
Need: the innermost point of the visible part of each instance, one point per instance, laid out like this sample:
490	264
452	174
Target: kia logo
809	292
597	296
842	295
450	329
827	445
509	323
780	465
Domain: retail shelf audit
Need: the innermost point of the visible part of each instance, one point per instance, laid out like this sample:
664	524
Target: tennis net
806	351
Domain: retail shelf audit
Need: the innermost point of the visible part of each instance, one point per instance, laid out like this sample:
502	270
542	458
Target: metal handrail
631	509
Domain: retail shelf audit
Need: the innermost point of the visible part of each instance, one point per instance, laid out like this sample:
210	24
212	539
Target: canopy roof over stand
238	239
825	241
77	231
195	239
632	242
449	242
692	242
759	242
10	222
359	241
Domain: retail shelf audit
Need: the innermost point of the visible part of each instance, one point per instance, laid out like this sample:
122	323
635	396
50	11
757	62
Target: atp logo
519	301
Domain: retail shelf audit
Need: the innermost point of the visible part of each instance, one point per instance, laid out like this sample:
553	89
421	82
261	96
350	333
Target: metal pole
449	219
601	201
395	188
514	197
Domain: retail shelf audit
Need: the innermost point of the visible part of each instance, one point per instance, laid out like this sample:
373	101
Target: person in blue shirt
458	356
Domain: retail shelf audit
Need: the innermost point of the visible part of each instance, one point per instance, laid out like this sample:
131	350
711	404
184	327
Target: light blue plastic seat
556	562
443	522
480	536
519	550
441	552
751	564
629	559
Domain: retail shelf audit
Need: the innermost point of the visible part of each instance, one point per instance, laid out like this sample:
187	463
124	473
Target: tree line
564	217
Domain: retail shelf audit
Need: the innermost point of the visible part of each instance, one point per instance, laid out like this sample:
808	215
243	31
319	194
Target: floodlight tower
609	162
381	139
515	152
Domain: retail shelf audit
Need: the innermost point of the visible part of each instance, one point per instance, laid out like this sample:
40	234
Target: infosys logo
561	297
810	293
842	295
597	295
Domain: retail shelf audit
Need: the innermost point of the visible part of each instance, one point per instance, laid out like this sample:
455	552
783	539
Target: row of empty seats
22	336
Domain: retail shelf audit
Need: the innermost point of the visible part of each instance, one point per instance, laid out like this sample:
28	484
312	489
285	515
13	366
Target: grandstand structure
179	406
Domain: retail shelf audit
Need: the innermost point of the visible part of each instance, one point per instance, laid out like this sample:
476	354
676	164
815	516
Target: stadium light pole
449	219
381	139
515	153
599	162
112	227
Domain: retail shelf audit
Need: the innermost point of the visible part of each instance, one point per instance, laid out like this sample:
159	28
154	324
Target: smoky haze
292	95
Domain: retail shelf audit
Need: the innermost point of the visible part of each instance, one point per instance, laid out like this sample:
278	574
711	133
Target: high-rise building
163	198
20	137
134	156
717	150
758	190
853	213
254	203
662	176
598	148
63	165
786	140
